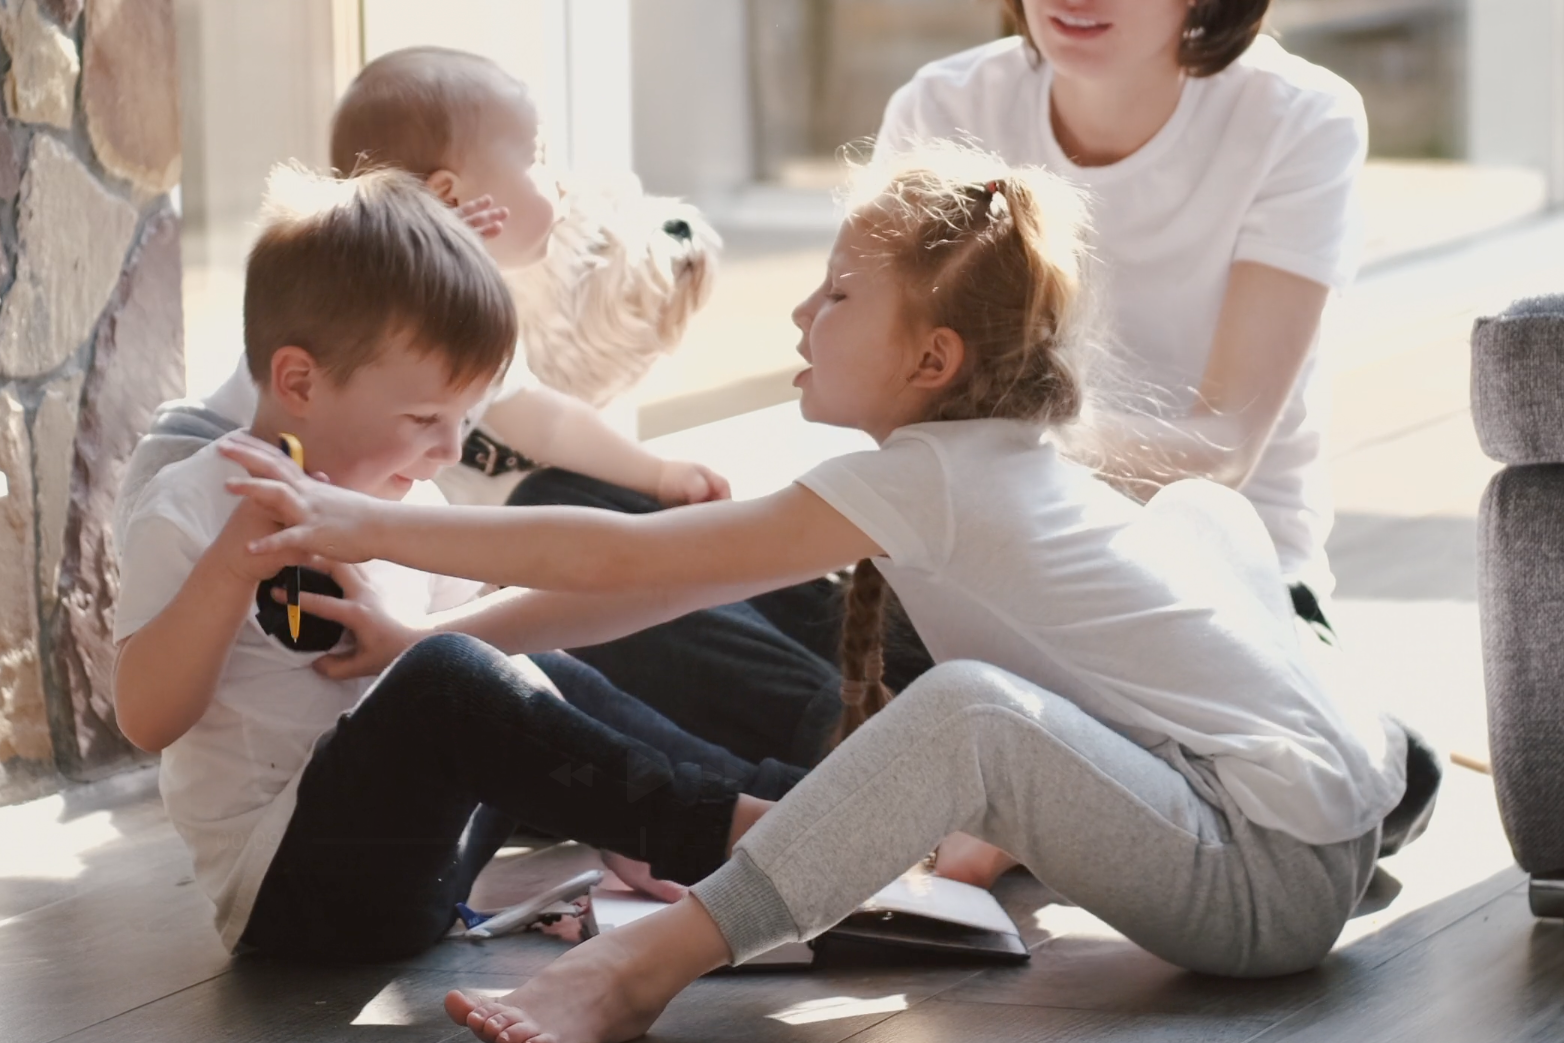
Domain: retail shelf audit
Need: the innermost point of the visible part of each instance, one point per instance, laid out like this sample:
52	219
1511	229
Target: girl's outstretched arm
749	544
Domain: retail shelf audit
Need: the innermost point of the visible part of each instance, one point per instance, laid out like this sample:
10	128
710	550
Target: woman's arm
773	540
1267	325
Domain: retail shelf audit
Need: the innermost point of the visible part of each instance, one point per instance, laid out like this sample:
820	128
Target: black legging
388	833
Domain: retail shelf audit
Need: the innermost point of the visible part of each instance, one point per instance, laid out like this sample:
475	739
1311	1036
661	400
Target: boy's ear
296	378
940	357
446	185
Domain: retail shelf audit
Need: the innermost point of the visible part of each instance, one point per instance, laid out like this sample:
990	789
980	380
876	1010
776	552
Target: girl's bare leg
972	861
613	986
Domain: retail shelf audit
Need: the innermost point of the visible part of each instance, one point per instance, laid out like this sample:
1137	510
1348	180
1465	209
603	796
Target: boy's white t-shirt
1257	163
1163	621
230	782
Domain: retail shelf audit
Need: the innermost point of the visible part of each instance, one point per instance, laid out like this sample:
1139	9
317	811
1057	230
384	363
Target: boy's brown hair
341	267
416	109
1216	32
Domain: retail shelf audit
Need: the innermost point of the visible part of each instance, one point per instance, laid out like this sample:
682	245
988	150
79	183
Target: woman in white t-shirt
1123	698
1221	175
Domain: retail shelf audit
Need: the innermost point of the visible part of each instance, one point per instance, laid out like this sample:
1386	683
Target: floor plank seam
131	1010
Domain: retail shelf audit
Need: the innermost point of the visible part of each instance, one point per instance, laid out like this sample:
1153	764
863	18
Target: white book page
921	893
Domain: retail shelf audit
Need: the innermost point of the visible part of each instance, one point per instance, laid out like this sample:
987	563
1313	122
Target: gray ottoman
1518	408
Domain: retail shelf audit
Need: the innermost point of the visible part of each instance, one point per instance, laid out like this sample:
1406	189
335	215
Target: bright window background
741	105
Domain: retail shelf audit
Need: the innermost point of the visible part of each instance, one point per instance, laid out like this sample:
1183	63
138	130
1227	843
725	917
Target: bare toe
496	1024
522	1032
458	1006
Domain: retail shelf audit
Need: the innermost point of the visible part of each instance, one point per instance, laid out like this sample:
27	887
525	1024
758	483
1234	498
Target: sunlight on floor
390	1006
40	843
834	1008
393	1005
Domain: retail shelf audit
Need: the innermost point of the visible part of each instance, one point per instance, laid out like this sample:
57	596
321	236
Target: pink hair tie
992	188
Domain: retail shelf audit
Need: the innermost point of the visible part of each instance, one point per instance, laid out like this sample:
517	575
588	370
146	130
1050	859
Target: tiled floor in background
104	937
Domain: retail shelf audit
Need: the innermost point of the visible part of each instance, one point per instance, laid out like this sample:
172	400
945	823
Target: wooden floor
104	936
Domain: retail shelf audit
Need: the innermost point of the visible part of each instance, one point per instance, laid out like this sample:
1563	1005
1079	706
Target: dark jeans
757	677
420	783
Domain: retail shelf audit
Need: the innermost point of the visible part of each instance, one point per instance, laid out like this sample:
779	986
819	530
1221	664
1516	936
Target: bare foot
972	861
638	876
608	990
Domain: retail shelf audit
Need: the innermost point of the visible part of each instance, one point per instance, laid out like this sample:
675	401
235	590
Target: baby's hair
417	109
993	253
343	267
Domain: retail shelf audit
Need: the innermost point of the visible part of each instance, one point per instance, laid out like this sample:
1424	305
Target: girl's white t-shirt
1163	621
1257	163
230	782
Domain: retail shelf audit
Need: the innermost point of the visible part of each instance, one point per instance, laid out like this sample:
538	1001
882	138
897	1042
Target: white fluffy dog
625	271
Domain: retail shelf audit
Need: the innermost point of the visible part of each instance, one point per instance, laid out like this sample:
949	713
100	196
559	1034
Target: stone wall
90	342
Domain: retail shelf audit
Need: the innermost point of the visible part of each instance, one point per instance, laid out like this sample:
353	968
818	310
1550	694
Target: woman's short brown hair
1215	33
343	268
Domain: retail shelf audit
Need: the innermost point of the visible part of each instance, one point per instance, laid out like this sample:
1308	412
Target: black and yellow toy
286	622
291	445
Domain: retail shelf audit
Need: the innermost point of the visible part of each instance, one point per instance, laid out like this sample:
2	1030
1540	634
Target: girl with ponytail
1122	700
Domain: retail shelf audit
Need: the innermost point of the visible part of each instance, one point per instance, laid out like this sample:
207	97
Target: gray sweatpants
1147	840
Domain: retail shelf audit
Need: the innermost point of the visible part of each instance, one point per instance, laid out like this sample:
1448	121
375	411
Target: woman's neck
1101	121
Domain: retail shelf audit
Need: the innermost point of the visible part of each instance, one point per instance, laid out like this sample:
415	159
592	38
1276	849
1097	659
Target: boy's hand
483	217
684	482
307	516
378	636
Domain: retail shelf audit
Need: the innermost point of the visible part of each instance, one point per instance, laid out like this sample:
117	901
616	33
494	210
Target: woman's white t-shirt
1163	621
1257	163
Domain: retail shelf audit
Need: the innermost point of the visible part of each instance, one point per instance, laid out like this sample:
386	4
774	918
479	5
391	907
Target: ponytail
863	651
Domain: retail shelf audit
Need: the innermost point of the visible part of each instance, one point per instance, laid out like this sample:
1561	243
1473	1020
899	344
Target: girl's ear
939	360
446	185
295	379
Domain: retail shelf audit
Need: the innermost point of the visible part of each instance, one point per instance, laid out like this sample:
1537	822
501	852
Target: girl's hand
682	482
250	522
378	636
483	217
317	518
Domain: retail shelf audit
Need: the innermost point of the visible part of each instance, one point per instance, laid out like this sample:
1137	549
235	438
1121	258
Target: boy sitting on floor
338	819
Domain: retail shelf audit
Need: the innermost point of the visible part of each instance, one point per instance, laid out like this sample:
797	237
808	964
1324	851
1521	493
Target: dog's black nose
679	229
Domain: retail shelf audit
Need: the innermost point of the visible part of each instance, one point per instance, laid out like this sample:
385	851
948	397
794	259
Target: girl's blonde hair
993	253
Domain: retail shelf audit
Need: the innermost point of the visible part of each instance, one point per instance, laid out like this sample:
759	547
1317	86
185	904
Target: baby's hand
378	636
314	517
684	482
483	217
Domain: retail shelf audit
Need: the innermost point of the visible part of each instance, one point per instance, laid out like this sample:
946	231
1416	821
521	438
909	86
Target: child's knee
441	671
441	657
962	683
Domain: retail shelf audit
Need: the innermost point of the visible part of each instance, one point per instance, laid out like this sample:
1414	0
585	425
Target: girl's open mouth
1076	28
